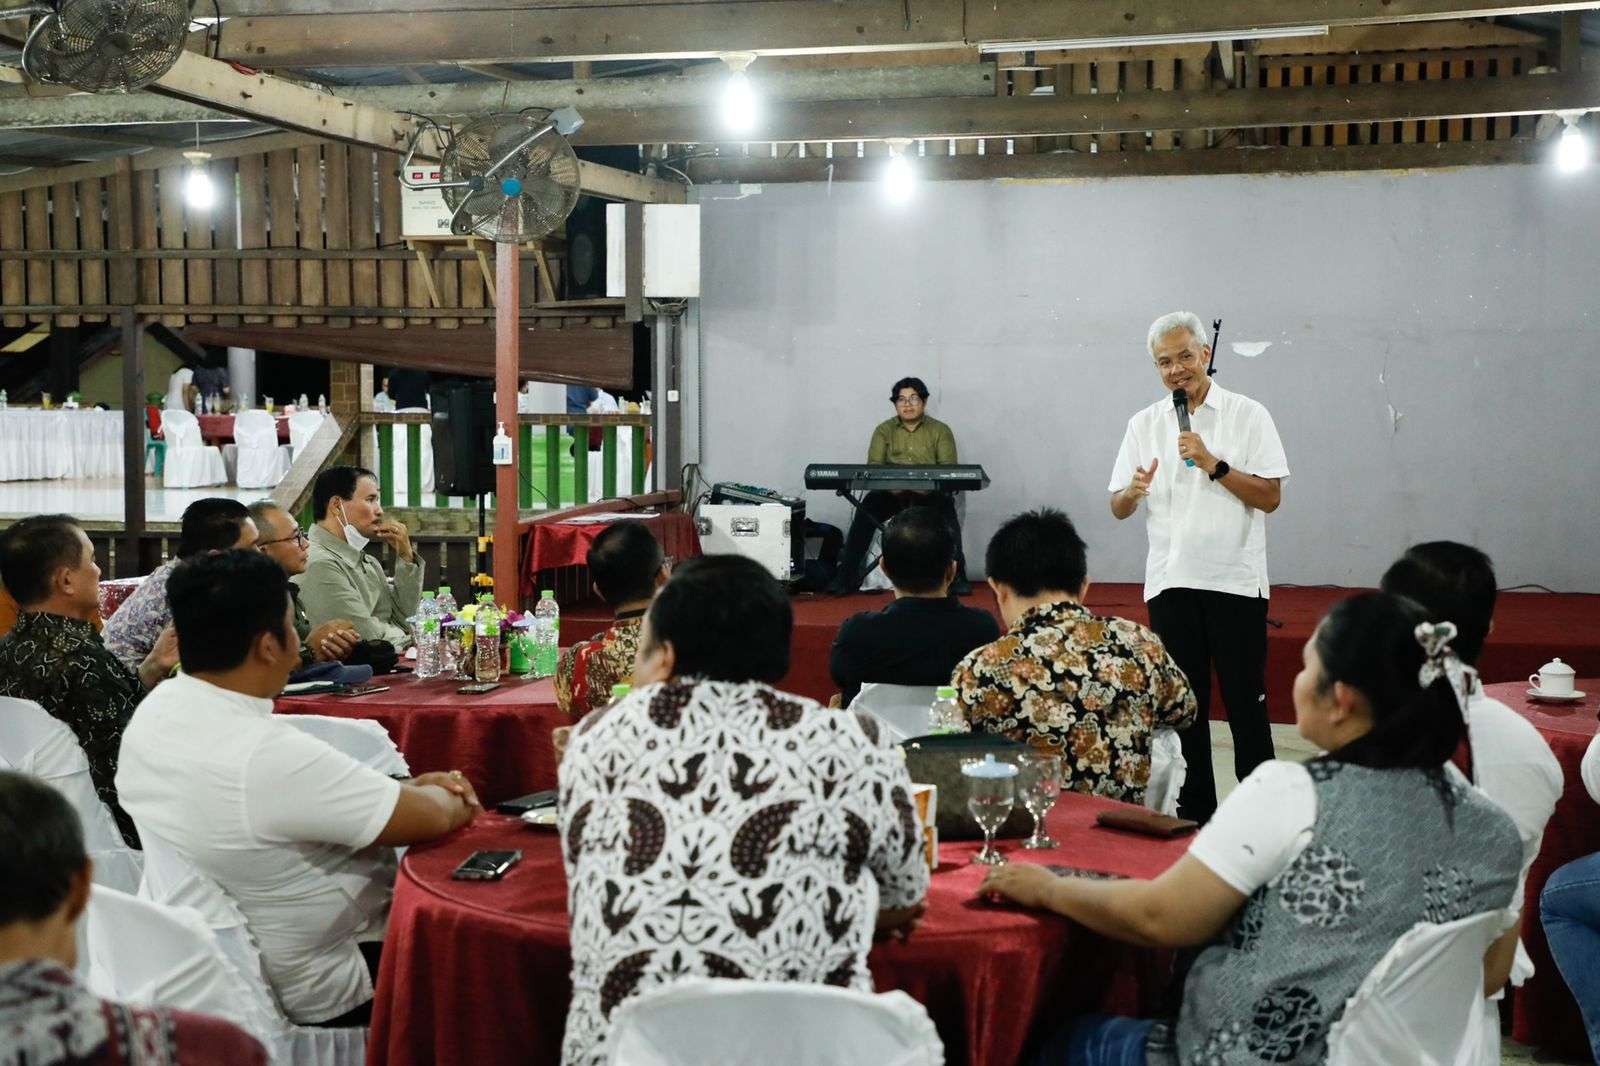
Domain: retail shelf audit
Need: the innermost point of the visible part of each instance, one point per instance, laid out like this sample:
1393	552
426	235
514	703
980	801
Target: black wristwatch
1222	470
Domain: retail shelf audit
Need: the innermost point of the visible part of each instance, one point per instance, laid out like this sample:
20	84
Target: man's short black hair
728	619
1038	551
31	552
221	603
41	848
623	563
211	525
1453	583
337	481
918	548
909	383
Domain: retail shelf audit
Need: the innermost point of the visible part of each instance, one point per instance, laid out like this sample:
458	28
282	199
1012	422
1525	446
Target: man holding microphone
1209	466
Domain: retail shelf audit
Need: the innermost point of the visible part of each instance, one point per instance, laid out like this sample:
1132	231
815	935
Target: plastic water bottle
945	715
322	402
446	602
486	642
546	635
430	642
3	403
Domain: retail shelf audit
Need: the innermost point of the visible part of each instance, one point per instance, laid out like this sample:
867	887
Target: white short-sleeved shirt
282	821
1201	535
1590	769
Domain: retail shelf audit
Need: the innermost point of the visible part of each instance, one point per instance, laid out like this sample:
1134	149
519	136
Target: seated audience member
47	1016
299	834
54	657
1505	755
283	541
1090	688
920	637
341	581
1308	874
209	525
798	819
627	566
1569	910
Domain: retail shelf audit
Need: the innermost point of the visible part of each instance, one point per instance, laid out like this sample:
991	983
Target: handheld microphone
1180	401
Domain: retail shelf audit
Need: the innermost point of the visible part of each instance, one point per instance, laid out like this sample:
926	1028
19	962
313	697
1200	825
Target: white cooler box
758	531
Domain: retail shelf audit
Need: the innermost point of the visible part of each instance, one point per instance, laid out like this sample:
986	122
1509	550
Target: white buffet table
37	444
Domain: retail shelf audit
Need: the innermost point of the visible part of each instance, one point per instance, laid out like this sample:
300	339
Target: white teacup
1555	678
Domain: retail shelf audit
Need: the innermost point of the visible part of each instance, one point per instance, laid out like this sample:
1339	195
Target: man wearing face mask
342	581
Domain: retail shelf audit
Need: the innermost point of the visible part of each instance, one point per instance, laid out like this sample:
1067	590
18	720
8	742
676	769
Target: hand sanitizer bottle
502	445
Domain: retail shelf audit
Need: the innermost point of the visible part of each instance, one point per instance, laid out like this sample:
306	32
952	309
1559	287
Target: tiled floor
100	499
1290	745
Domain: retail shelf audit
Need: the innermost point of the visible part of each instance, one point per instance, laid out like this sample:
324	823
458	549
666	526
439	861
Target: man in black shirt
920	637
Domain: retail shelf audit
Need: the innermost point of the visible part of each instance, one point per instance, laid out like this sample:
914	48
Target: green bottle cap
945	692
618	691
444	590
427	595
548	594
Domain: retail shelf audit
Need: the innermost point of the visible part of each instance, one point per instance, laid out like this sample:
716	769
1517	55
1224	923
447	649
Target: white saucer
1546	697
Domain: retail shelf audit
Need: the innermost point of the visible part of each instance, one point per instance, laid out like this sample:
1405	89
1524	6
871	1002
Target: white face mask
352	535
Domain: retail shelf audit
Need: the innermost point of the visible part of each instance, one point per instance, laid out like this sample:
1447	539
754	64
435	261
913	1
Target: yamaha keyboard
863	477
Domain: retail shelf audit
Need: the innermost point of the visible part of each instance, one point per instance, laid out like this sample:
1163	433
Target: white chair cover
624	463
705	1022
900	709
263	462
150	954
1168	770
171	879
365	741
190	462
1423	1002
32	742
303	425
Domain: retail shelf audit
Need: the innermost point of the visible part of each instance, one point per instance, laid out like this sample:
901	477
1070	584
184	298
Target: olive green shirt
341	582
930	444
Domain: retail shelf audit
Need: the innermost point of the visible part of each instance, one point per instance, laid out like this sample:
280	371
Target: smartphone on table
486	865
479	688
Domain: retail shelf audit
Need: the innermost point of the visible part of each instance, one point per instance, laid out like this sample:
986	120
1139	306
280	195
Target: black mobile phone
478	689
360	690
531	802
486	865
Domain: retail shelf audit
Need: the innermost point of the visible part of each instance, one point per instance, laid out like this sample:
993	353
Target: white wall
1434	364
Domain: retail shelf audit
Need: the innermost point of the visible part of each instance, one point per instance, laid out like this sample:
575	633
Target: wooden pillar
507	327
129	562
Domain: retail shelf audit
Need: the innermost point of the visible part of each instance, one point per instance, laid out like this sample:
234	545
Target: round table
480	972
1543	1010
500	740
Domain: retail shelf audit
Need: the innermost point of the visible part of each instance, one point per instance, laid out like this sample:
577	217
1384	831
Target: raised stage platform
1530	627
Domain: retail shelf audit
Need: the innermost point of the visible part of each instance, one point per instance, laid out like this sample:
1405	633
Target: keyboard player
910	438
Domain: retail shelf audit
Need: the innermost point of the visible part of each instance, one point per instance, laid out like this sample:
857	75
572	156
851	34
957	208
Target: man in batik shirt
1062	679
54	657
627	566
47	1018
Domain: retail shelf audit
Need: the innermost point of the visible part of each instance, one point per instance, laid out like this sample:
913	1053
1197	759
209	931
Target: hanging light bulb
198	190
899	178
1572	150
740	106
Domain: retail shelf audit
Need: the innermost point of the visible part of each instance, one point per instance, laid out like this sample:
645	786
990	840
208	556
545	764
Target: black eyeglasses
299	536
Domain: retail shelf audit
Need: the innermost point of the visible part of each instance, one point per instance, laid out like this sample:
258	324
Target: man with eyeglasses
1208	490
282	540
910	438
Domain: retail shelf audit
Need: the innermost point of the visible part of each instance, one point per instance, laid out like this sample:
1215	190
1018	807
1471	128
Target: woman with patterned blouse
1308	874
1090	688
626	565
716	827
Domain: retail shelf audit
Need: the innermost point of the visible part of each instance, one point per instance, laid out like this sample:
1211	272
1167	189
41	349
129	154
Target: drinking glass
991	791
1039	781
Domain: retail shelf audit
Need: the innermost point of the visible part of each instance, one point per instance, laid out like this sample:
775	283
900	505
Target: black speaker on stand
585	274
463	438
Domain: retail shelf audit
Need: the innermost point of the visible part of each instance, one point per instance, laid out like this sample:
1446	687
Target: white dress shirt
1201	535
283	822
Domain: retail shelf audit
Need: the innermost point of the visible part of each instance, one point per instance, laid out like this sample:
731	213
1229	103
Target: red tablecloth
500	740
480	972
1543	1011
218	429
551	545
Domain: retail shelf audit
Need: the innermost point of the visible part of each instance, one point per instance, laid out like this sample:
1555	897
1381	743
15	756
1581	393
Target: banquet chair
1423	1002
900	709
171	879
32	742
190	462
262	461
149	954
365	741
303	425
702	1021
1168	771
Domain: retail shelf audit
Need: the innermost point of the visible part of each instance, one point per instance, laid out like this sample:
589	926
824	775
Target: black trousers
884	506
1204	630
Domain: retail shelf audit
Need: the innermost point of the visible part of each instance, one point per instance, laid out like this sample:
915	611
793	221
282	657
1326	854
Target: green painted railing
550	474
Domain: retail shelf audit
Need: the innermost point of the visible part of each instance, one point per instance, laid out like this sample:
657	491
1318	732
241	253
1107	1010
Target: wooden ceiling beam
154	160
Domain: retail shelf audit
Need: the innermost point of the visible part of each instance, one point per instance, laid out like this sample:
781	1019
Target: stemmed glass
1039	781
991	791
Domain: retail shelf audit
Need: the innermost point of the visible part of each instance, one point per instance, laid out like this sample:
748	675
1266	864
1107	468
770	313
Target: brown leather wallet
1147	823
